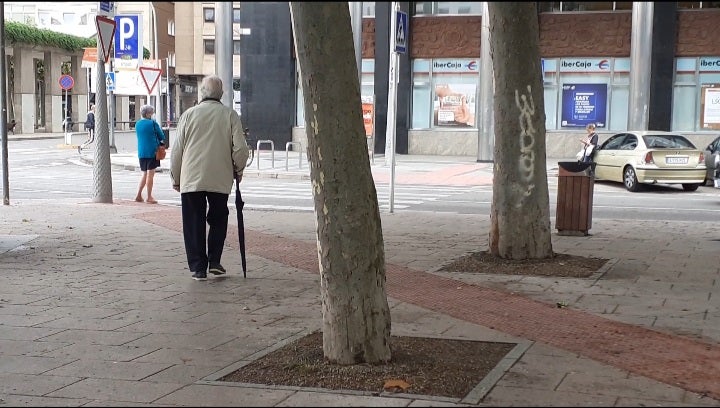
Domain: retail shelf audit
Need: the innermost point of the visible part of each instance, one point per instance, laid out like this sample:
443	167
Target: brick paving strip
679	361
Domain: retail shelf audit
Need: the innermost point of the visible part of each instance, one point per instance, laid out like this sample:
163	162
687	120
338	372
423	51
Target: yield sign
150	76
106	32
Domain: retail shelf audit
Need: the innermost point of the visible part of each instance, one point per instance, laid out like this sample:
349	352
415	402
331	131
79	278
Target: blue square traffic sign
110	81
401	31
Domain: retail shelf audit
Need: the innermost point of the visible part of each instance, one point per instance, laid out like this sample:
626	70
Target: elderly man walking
208	153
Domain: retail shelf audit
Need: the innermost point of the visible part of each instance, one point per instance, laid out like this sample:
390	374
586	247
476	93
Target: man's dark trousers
195	213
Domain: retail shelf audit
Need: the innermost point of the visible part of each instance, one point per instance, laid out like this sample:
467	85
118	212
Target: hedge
18	33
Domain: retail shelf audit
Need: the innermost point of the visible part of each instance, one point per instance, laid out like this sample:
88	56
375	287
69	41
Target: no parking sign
66	82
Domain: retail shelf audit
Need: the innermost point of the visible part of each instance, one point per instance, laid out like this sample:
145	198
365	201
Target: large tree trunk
520	214
356	316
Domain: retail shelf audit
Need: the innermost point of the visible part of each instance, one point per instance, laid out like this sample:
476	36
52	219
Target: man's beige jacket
208	149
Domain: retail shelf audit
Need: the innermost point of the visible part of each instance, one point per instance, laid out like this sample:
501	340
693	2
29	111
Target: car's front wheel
690	187
630	179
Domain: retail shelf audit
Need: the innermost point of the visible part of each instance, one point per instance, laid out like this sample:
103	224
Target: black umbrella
239	204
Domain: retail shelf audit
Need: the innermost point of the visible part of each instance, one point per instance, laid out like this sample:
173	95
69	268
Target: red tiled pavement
679	361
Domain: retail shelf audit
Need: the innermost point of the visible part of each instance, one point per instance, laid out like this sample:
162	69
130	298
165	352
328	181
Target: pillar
24	95
54	113
664	38
224	49
640	71
486	130
80	97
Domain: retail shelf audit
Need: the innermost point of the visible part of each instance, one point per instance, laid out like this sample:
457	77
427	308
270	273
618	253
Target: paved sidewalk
98	309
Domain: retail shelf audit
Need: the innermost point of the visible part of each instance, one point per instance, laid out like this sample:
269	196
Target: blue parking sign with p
128	39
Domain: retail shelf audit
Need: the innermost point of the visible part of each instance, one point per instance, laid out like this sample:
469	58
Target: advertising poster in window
710	106
368	113
583	104
454	105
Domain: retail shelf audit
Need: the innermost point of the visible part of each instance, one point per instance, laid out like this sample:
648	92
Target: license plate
676	160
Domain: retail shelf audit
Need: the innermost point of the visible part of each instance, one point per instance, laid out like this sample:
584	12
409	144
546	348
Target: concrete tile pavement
105	312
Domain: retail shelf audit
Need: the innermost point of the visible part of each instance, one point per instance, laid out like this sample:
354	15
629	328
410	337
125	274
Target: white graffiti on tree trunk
526	163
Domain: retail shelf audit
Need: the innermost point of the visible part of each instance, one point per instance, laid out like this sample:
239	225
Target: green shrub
18	33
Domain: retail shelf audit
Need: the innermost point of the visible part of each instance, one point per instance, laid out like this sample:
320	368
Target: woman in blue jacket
149	138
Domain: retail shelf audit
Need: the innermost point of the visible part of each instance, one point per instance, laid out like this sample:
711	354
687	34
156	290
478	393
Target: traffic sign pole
102	175
66	82
398	44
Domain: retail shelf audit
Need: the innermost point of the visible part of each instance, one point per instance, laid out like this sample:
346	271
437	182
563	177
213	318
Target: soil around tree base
429	366
560	265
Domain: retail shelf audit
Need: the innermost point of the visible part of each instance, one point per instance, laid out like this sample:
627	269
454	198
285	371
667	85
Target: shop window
685	95
623	5
236	47
548	6
367	82
706	96
688	4
448	7
209	14
421	95
550	92
619	103
684	113
585	6
454	93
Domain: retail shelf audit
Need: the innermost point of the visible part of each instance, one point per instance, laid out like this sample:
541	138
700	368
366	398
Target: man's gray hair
146	111
211	87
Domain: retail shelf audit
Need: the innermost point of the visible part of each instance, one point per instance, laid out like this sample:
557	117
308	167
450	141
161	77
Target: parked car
711	152
650	157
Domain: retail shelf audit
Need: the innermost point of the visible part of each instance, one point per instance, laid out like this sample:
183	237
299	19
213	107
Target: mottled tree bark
520	214
356	316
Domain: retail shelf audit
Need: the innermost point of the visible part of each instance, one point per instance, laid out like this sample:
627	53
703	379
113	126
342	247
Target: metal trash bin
576	182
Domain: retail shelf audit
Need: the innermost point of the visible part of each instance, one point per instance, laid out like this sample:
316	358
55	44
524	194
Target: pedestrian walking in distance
149	138
209	152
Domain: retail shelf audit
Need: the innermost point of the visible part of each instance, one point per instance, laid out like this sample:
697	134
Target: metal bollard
272	151
287	150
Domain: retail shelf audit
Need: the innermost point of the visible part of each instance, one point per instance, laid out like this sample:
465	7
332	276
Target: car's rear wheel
630	179
690	187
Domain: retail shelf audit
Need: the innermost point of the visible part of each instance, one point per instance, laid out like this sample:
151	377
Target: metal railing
272	152
287	151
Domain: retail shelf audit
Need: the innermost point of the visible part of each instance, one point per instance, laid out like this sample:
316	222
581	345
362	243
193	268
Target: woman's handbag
160	153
